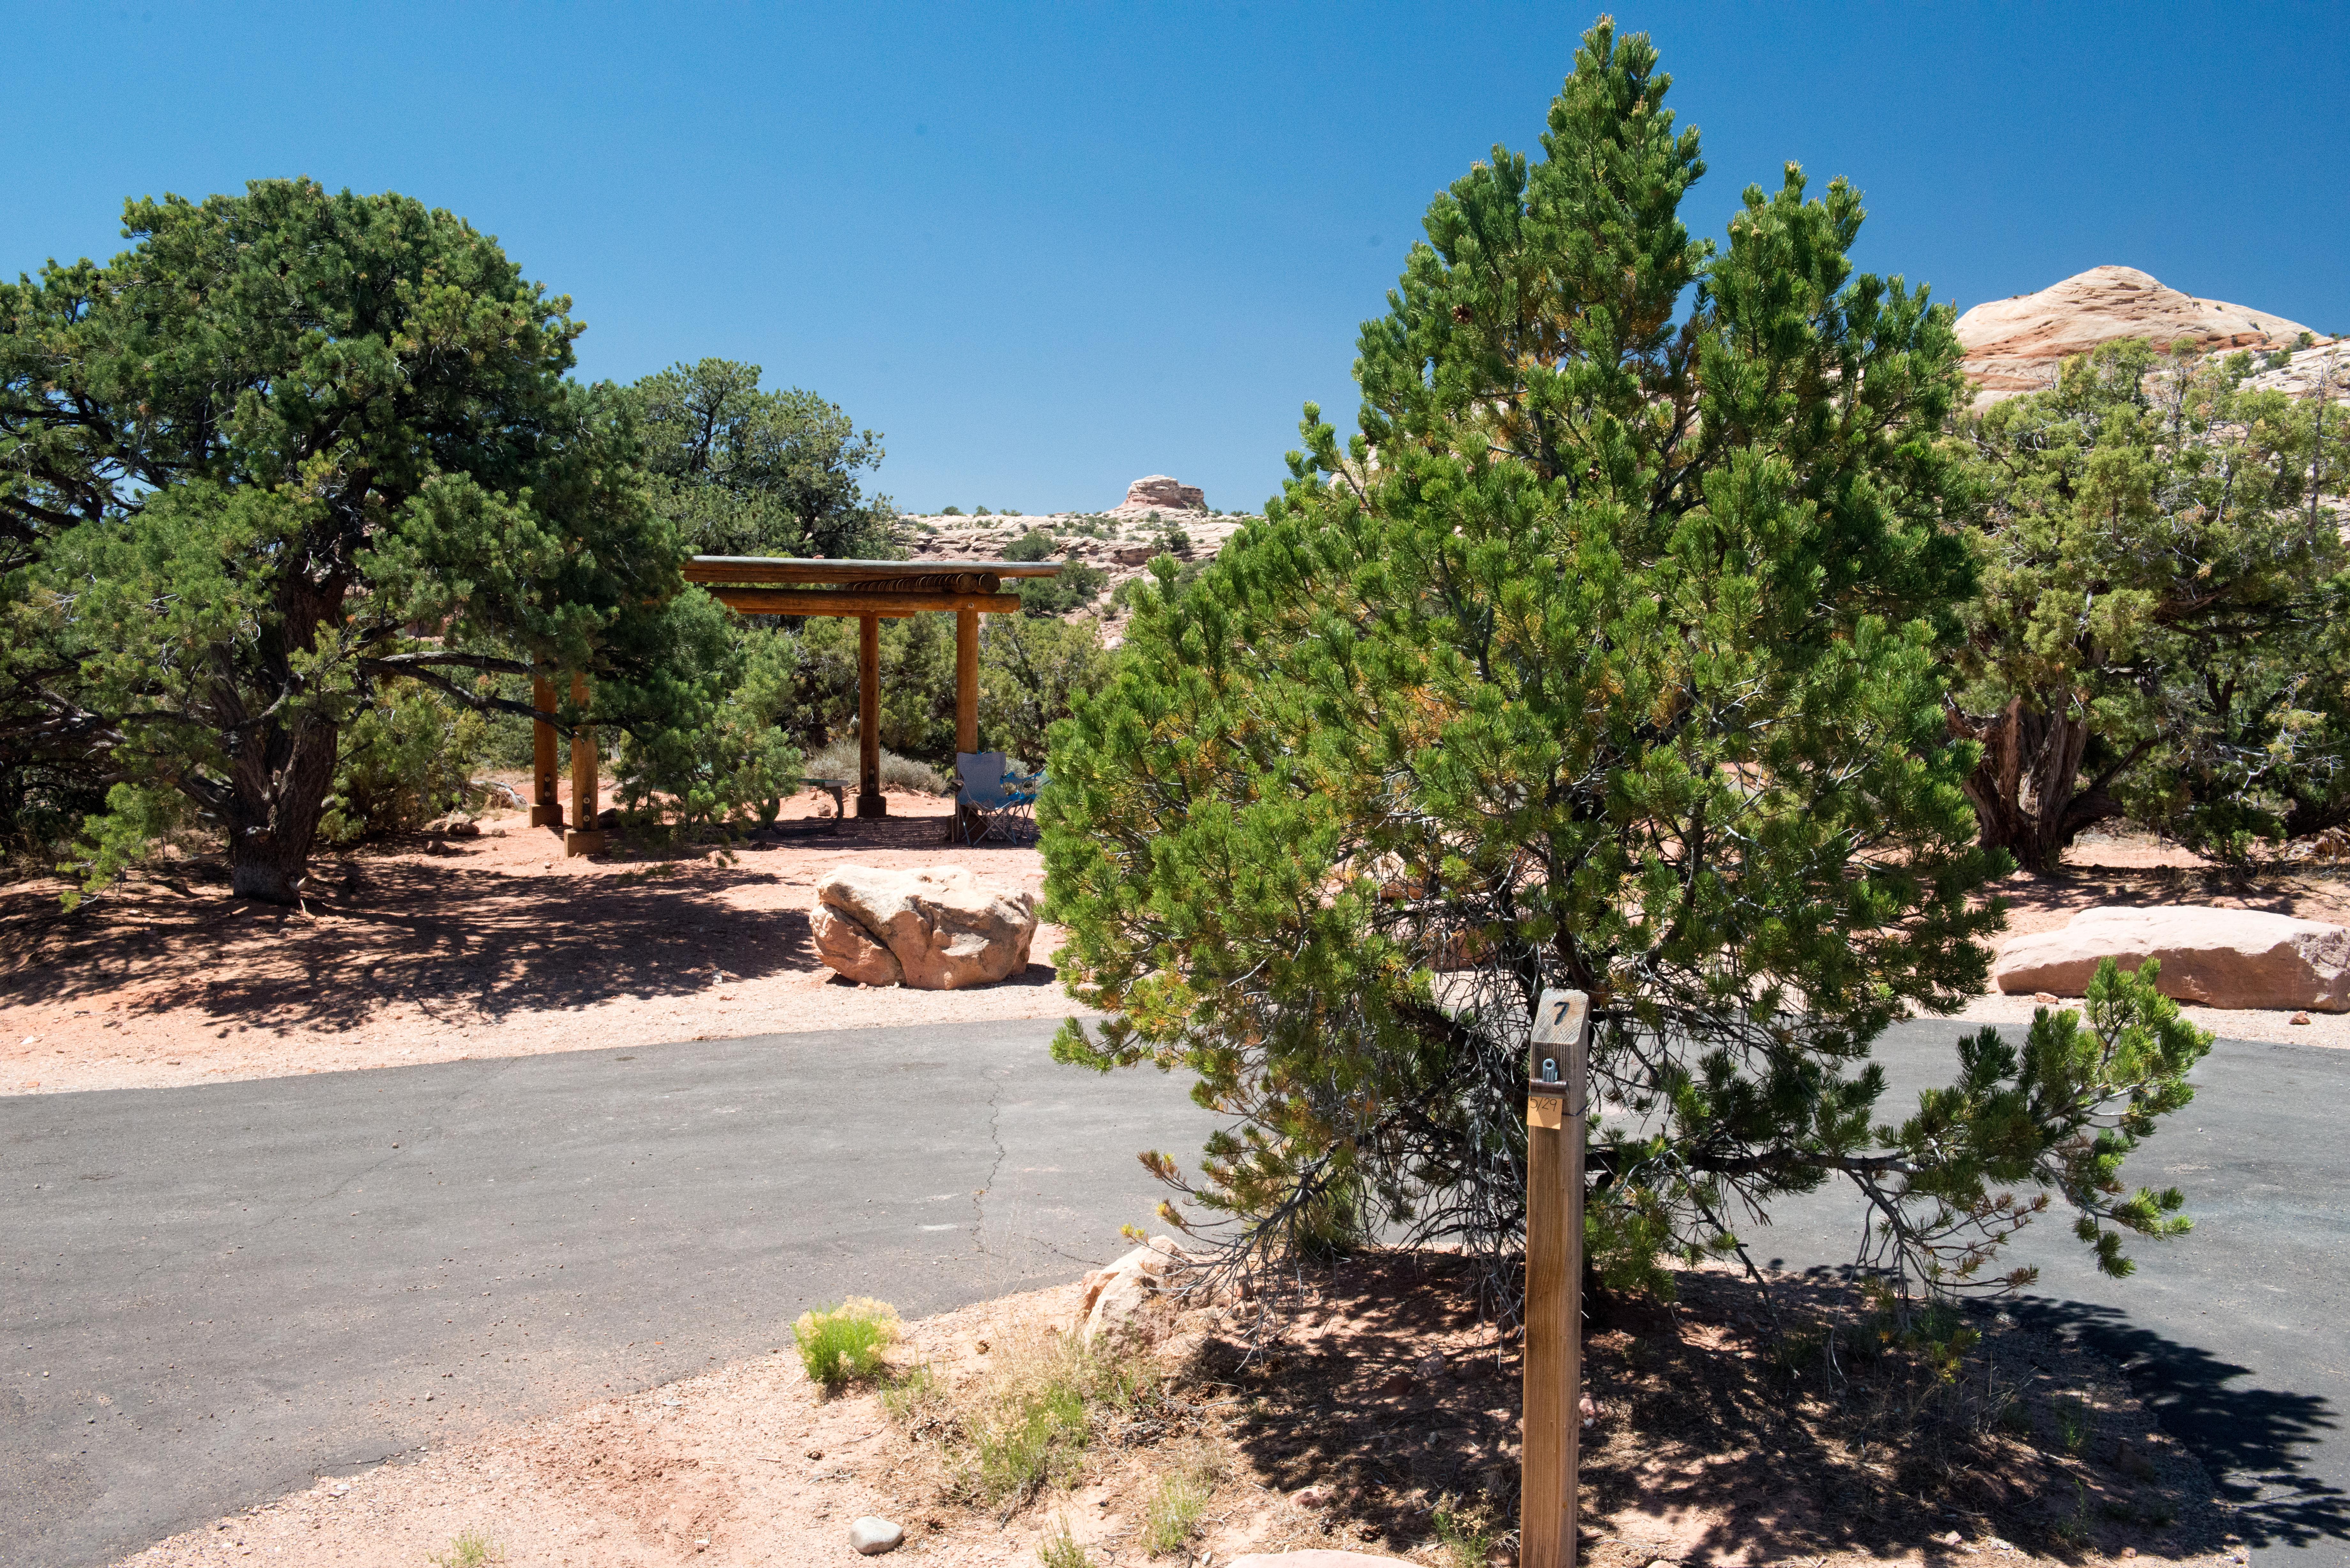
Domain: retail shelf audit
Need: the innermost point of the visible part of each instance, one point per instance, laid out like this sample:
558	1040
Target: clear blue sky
1046	249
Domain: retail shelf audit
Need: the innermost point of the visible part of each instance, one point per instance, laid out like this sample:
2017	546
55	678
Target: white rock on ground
940	929
1114	1295
872	1536
2218	958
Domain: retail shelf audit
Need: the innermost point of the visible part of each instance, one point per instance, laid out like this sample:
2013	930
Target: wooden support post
546	809
967	681
869	801
584	837
1557	1071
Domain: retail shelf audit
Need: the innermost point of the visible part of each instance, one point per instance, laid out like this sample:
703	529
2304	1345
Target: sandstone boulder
1158	493
2014	345
847	948
2217	958
940	929
1116	1295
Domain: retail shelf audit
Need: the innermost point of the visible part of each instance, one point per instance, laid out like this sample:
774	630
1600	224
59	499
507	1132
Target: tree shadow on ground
1719	1436
2255	1442
455	943
430	928
2279	888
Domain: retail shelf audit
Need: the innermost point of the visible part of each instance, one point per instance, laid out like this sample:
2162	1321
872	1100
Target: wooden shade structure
873	591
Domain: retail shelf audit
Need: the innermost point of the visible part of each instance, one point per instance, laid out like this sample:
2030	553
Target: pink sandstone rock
1160	494
1114	1295
2014	345
2217	958
940	929
847	948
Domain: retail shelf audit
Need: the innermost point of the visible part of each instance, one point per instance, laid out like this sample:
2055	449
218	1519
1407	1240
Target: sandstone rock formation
941	928
2218	958
2014	345
1160	494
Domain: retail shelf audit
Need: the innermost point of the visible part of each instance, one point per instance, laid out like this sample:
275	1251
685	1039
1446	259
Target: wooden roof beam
816	570
848	601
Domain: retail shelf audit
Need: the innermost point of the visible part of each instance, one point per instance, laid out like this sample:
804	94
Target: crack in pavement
979	1199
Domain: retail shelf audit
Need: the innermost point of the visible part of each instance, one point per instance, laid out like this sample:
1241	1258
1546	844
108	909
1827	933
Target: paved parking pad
215	1294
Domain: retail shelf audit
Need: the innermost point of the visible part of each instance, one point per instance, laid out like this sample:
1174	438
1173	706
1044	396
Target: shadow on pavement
2254	1441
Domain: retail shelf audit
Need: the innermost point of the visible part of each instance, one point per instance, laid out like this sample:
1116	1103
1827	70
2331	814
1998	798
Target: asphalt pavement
212	1296
2236	1334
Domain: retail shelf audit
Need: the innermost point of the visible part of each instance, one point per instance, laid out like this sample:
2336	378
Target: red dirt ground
457	947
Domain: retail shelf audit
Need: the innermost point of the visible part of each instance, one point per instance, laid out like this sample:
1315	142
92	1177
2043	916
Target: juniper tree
742	471
2159	630
288	447
1605	657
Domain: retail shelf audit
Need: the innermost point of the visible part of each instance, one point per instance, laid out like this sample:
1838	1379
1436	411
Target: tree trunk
2026	790
278	792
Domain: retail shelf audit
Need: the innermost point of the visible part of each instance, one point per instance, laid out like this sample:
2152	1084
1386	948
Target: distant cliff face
2014	345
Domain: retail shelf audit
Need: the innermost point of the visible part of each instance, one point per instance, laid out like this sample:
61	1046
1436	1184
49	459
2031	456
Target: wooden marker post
1557	1073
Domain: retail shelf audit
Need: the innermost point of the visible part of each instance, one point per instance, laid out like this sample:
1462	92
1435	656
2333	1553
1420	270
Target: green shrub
1029	1421
2074	1422
137	819
844	1344
732	752
1468	1541
1172	1516
1077	585
839	760
404	761
1035	1439
1032	674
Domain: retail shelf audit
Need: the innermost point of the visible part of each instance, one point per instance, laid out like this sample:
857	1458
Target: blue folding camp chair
981	801
990	799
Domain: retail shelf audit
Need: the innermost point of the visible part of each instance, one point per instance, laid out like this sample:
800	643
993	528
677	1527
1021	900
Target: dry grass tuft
845	1343
1027	1422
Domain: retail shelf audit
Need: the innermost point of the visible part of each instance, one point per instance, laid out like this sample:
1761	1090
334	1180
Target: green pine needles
1607	656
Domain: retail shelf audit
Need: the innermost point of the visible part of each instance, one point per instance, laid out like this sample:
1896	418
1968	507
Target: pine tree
1606	657
289	447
